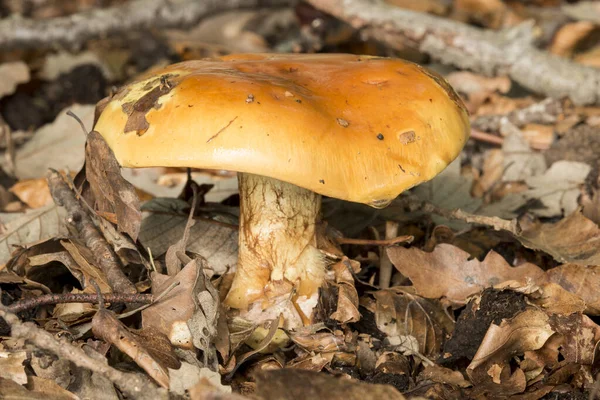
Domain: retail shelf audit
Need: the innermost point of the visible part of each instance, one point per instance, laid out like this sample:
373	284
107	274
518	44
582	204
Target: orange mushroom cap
356	128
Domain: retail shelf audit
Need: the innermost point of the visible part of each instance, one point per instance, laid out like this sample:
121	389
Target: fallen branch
105	257
510	52
76	29
51	299
135	386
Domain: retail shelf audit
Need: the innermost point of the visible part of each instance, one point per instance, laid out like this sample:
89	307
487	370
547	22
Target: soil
475	319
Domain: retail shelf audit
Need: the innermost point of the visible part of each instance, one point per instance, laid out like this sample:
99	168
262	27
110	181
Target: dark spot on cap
298	101
322	181
380	136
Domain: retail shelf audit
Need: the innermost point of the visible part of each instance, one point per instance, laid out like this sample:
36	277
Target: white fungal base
277	242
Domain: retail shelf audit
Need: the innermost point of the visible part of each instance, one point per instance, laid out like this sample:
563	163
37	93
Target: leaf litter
495	297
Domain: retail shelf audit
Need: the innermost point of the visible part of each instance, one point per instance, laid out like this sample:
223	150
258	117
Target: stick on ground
76	29
134	385
105	257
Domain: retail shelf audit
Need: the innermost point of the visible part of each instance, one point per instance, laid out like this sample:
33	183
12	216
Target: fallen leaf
558	188
347	302
33	192
49	388
13	74
63	62
10	389
580	337
440	374
107	327
451	272
574	239
12	367
580	280
520	162
216	242
527	331
32	226
401	314
56	145
112	193
568	36
293	384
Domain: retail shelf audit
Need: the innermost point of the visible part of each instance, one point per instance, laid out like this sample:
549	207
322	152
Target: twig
376	242
76	29
134	386
510	52
486	137
104	255
494	222
385	264
51	299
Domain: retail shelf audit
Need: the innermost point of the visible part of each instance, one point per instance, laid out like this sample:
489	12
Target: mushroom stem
277	242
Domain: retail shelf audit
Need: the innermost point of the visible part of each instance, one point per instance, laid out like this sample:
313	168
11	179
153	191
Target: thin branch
135	386
52	299
76	29
105	257
377	242
510	52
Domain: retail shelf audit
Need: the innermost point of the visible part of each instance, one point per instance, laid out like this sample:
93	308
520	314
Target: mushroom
294	127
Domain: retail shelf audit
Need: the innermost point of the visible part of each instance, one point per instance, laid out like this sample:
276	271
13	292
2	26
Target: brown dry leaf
539	137
451	273
556	300
31	227
112	193
12	390
557	189
425	6
84	269
568	36
318	342
492	170
401	314
56	145
440	374
13	74
520	162
490	368
581	280
574	239
347	302
33	192
580	337
49	388
488	13
12	367
215	241
592	59
477	88
171	314
293	384
107	327
311	361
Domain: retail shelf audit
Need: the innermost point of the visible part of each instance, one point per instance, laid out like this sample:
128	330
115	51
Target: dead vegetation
481	283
